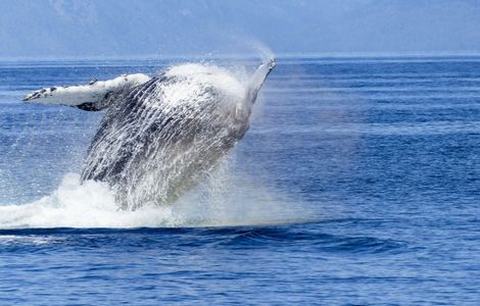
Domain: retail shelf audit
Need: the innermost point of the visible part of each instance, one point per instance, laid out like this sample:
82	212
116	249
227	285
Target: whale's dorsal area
160	136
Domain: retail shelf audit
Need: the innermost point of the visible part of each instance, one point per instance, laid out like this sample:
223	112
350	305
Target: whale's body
159	138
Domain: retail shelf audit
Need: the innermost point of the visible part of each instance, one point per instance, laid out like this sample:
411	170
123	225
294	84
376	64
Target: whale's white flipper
96	95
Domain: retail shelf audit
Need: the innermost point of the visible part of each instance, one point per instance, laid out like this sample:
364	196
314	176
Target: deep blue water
383	155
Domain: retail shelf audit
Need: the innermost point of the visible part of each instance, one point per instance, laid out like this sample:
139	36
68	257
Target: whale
162	135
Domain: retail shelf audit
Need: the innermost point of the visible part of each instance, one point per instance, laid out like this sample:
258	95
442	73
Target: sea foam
222	201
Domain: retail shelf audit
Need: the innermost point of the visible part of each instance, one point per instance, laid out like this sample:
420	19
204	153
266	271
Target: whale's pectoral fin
94	96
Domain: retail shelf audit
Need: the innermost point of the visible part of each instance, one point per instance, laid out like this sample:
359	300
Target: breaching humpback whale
160	135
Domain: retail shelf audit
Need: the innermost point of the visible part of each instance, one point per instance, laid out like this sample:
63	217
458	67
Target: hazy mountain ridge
56	28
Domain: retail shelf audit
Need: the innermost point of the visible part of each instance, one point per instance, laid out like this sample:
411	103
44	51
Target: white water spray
223	200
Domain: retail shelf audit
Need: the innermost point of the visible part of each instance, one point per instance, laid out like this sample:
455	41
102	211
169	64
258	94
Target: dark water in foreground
384	155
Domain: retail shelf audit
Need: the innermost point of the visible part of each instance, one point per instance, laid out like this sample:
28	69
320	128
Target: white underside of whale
93	92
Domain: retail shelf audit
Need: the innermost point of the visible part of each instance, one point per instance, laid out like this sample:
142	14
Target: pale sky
121	28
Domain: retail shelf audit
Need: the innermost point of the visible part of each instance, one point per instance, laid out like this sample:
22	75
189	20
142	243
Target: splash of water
222	201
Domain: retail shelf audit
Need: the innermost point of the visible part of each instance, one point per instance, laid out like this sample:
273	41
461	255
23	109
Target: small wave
27	240
306	235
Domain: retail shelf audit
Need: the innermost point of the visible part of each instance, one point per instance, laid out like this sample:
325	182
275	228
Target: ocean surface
358	183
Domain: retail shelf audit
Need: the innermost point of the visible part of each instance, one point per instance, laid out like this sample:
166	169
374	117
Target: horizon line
209	56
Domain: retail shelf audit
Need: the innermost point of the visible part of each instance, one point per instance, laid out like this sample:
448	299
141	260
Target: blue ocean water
376	163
